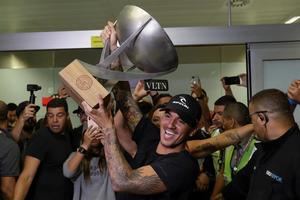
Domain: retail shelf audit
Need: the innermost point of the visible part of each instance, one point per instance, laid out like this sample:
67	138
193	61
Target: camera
232	80
32	88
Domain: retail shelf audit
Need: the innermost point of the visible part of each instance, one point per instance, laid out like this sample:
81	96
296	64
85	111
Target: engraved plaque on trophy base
81	85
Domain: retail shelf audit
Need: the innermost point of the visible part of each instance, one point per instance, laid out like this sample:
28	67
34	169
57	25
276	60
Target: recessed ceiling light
239	3
292	20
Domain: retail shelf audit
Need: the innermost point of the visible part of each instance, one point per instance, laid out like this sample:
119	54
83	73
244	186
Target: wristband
82	150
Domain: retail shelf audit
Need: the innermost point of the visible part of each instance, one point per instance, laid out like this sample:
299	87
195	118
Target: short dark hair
238	111
3	111
145	107
12	106
273	100
58	102
159	96
224	100
22	106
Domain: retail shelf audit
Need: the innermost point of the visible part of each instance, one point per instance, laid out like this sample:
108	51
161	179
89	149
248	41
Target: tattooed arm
125	122
124	134
122	92
202	148
143	180
127	117
127	104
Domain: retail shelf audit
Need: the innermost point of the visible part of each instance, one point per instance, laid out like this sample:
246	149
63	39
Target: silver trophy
145	49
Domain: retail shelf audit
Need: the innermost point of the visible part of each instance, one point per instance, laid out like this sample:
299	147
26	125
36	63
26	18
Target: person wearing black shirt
9	157
273	171
166	170
42	176
77	132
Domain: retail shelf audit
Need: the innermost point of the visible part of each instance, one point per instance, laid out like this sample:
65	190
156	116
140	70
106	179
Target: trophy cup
142	42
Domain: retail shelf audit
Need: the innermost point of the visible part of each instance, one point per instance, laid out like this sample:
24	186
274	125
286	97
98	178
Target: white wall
13	87
209	74
210	63
285	71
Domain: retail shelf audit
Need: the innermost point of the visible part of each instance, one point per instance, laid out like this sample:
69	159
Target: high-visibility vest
216	156
243	161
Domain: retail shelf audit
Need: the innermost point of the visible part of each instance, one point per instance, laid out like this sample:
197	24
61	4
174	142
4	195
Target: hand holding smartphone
195	80
232	80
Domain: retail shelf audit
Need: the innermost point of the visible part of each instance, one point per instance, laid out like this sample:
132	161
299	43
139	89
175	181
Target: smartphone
91	123
156	85
195	80
232	80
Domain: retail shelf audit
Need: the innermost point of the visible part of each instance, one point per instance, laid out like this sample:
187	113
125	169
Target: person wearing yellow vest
236	157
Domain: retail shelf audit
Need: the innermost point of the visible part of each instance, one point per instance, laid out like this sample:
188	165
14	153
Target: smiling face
56	119
173	132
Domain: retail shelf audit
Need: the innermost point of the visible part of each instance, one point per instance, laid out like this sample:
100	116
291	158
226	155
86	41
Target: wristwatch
82	150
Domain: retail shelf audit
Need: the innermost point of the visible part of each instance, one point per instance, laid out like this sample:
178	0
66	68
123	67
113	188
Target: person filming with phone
239	80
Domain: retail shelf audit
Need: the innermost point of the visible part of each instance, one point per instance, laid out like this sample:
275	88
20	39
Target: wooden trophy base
81	85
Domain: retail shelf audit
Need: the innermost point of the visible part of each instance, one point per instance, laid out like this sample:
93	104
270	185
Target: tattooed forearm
206	147
127	105
232	136
116	163
140	184
123	177
201	148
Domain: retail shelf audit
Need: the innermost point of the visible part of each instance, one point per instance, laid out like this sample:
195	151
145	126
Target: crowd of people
172	147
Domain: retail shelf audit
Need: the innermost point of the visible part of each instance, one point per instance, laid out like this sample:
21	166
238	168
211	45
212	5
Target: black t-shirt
76	136
207	167
49	182
178	171
147	136
272	172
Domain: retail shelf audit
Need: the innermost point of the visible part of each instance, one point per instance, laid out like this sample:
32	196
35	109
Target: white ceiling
65	15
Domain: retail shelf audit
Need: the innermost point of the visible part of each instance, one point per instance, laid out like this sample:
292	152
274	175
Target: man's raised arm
202	148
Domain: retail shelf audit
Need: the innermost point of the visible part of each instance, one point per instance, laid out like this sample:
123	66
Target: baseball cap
186	107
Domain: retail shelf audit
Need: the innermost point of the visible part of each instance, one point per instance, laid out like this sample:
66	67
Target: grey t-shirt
9	156
98	187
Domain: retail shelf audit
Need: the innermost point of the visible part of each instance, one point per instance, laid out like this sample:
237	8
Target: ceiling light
292	20
239	3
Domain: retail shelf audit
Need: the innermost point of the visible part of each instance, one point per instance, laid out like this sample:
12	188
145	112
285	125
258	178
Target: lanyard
238	154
